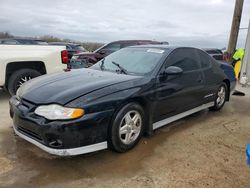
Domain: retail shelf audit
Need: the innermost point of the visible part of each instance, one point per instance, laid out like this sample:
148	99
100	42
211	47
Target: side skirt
166	121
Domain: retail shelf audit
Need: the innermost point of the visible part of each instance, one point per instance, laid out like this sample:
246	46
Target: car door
179	93
210	81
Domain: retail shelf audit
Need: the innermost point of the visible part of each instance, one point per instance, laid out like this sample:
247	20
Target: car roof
159	46
138	41
211	49
134	41
163	47
64	43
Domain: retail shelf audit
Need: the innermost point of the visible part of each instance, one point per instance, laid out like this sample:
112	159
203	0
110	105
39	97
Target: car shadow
4	95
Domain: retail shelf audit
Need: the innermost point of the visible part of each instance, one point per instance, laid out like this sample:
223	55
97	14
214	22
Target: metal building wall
246	61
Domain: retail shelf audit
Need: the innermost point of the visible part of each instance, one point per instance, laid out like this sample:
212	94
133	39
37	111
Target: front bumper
64	152
63	138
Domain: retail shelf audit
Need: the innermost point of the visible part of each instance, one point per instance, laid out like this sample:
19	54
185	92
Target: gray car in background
23	41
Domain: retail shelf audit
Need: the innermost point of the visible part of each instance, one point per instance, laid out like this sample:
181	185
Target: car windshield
138	61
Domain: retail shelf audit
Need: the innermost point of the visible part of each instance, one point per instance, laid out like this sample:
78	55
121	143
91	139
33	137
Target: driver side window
185	58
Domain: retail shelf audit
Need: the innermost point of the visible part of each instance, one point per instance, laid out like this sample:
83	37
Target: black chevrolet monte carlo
116	101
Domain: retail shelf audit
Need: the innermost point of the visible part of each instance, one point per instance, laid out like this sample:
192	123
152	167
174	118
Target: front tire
220	100
19	77
127	128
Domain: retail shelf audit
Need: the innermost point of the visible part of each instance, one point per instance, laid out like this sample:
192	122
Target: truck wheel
19	77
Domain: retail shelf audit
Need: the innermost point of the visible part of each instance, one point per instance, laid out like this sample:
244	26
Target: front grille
30	133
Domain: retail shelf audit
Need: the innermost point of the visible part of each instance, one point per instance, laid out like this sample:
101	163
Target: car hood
61	88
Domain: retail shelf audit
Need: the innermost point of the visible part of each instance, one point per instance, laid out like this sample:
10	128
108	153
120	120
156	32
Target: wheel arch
12	67
145	104
227	82
147	112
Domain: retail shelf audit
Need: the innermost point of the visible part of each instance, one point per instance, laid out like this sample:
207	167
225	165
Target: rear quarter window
205	59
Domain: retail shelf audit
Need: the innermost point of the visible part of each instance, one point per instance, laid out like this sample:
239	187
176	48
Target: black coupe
113	103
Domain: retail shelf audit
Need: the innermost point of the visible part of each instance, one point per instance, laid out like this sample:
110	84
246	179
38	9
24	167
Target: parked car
26	41
215	53
83	60
20	63
72	48
113	103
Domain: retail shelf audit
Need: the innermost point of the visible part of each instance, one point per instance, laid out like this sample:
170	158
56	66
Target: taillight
64	56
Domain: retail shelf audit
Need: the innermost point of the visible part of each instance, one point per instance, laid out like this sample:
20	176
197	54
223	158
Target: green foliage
5	35
91	46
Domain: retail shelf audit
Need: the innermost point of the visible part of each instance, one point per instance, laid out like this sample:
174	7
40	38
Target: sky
200	23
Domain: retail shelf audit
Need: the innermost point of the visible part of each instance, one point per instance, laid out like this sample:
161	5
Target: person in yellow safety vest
237	58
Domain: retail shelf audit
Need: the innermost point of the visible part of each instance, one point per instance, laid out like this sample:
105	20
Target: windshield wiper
123	70
102	64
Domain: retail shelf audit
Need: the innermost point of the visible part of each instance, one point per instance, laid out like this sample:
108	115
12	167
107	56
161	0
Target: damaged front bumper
64	152
63	138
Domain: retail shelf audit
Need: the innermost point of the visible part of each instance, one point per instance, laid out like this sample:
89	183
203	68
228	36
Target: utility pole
235	27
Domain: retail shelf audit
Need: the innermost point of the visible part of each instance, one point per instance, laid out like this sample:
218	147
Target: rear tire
221	96
127	128
19	77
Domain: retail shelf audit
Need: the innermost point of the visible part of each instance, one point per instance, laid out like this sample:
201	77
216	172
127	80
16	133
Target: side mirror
173	70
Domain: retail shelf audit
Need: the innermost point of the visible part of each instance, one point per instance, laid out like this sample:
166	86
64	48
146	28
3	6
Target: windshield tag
155	51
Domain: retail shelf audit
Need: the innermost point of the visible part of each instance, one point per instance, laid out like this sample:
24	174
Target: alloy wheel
130	127
221	96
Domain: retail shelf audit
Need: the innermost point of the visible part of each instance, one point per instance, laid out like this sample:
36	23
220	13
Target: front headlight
57	112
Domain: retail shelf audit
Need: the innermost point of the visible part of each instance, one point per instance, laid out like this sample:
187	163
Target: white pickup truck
20	63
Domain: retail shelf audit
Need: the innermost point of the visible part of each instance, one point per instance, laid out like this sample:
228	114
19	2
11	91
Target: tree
5	35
